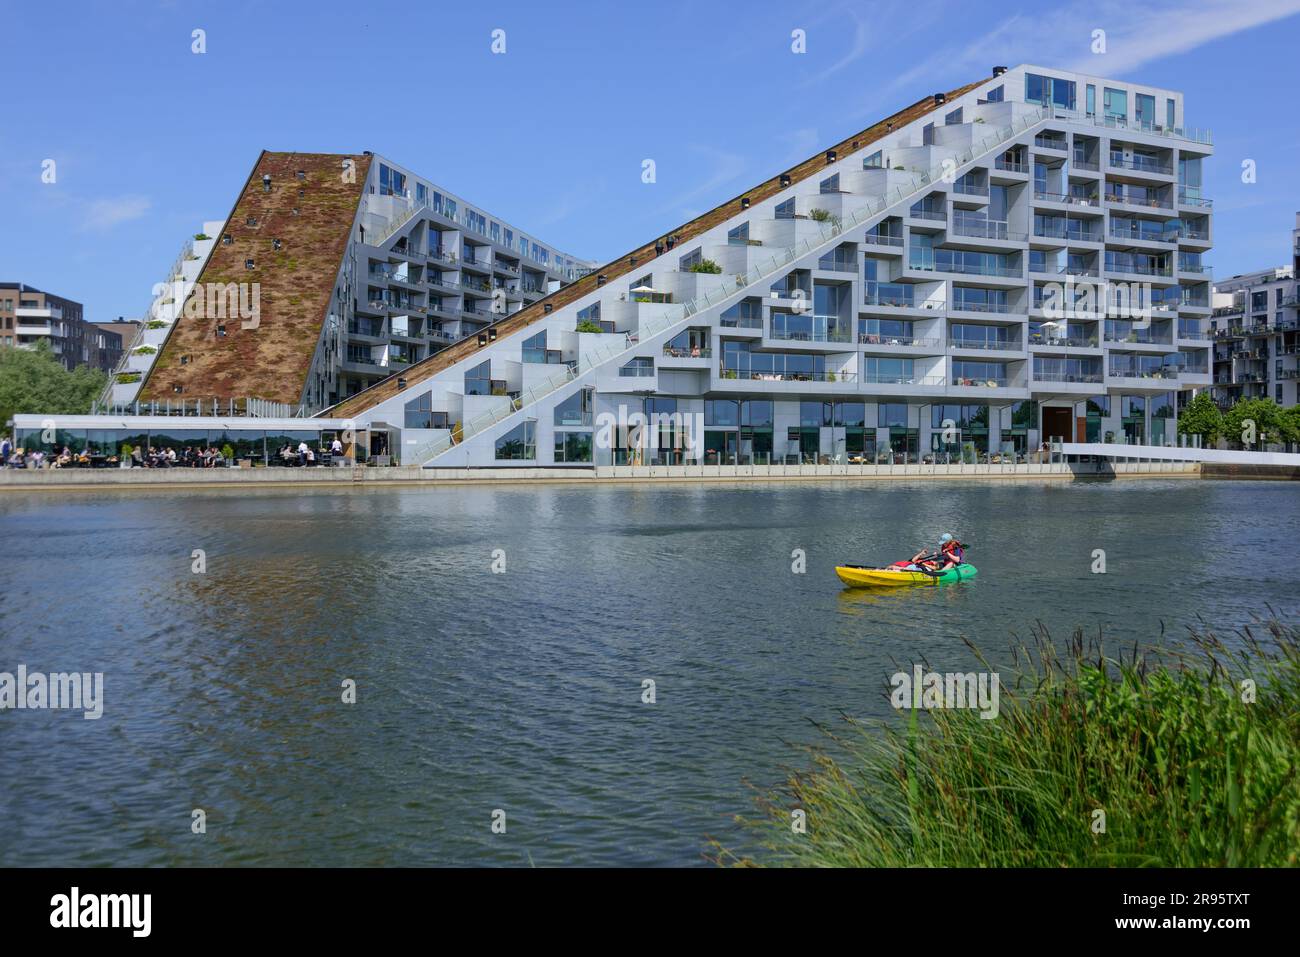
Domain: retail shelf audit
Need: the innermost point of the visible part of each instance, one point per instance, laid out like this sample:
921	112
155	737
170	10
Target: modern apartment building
1256	331
1013	261
104	343
333	272
29	316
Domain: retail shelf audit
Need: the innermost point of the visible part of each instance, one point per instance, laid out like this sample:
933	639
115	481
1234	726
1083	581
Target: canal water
500	639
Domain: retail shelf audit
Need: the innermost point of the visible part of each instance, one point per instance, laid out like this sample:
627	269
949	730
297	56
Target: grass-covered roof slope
309	209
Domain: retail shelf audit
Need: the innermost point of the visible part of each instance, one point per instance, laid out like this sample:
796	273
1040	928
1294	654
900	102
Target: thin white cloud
104	214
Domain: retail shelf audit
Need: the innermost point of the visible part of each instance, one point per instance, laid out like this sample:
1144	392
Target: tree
1201	417
1291	424
32	380
1253	422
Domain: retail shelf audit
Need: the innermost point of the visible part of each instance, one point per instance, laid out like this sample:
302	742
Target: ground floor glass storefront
112	446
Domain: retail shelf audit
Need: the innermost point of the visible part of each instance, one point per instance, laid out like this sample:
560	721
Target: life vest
953	549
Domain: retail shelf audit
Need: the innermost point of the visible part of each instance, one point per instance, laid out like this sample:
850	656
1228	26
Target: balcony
881	239
968	383
1062	342
996	308
968	269
1069	233
847	377
984	229
1069	199
1192	198
1141	164
1067	377
988	344
1130	230
880	379
840	263
875	339
1155	202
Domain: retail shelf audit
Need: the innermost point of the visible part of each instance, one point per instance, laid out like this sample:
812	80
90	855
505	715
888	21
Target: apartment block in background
29	316
1256	331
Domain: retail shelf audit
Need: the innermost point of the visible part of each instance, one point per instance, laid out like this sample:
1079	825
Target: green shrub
707	266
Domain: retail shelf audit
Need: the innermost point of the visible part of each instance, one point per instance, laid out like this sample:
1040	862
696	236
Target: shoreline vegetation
1188	756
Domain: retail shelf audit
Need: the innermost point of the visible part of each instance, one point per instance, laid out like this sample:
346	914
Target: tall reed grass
1187	771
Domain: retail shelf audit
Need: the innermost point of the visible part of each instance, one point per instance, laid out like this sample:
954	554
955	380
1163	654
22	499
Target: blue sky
150	139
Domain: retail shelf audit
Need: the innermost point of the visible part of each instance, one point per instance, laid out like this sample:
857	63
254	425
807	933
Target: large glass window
572	446
519	443
575	410
1046	90
1115	103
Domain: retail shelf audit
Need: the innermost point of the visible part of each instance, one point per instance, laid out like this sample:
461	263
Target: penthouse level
889	296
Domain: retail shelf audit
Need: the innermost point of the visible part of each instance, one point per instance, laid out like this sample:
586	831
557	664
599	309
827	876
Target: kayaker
951	552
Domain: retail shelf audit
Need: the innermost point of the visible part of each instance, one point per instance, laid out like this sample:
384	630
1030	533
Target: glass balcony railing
757	376
962	305
984	383
1141	164
984	343
880	378
1079	342
1044	376
884	339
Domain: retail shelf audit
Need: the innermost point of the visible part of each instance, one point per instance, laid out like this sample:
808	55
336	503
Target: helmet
945	538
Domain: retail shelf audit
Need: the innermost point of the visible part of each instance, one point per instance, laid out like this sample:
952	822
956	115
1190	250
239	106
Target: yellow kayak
859	576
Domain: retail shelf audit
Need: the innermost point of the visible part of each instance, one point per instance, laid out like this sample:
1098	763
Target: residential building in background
1256	330
29	316
335	271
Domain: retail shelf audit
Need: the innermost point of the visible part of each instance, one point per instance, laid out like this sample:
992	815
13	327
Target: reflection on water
522	690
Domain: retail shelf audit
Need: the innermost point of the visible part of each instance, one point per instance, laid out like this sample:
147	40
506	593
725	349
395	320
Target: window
478	381
995	95
520	443
893	415
785	210
739	236
1144	110
572	446
575	410
953	118
391	182
1169	114
874	161
419	412
1046	90
1115	103
1091	101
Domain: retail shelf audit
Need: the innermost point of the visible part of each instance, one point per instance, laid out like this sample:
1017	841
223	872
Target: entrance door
1057	424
